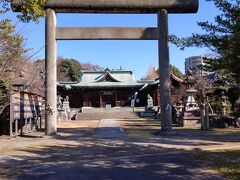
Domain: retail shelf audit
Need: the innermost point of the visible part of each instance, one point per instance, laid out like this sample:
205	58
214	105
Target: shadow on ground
103	159
77	154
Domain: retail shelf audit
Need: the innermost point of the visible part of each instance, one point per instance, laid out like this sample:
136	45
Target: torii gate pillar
164	69
50	73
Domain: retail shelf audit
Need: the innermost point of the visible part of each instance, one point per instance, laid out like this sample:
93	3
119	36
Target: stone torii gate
160	33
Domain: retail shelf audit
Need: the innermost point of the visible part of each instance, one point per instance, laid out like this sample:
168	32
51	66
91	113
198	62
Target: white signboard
108	106
132	102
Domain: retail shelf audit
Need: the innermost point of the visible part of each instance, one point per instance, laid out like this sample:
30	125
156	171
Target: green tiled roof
103	79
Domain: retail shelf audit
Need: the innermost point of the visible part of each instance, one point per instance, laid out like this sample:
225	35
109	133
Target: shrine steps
103	113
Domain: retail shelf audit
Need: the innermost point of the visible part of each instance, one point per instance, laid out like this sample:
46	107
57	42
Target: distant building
194	64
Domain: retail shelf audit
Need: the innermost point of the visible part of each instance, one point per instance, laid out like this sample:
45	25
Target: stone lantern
190	102
224	104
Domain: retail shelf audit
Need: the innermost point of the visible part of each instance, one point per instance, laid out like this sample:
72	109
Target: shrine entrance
108	99
160	33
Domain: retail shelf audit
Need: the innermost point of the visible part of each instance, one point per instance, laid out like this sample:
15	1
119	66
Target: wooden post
202	113
207	114
164	68
100	94
11	120
16	126
40	119
21	126
115	99
30	123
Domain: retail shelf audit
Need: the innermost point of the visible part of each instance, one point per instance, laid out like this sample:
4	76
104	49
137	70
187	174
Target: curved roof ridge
107	73
176	78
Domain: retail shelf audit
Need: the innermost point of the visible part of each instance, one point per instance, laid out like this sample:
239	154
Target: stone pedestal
64	112
65	105
149	104
149	110
62	116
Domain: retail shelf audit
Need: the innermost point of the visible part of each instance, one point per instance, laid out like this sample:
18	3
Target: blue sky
138	56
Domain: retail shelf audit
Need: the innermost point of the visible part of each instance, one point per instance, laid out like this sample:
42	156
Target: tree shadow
215	135
77	154
108	158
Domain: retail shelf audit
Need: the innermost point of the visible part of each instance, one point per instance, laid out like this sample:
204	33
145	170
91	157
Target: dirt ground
75	143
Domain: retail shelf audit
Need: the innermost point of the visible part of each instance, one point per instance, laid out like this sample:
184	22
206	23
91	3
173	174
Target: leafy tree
92	67
176	71
233	95
71	68
31	10
204	88
13	59
11	56
4	89
13	53
67	69
222	37
153	73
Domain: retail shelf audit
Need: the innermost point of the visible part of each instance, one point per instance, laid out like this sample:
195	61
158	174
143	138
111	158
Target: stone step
115	109
107	115
191	118
147	114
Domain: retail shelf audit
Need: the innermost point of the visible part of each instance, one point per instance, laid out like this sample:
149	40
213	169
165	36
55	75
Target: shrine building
112	88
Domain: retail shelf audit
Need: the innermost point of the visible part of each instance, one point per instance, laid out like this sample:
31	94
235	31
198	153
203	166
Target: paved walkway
109	128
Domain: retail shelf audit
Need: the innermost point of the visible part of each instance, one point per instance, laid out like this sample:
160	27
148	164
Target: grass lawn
140	127
149	127
225	162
